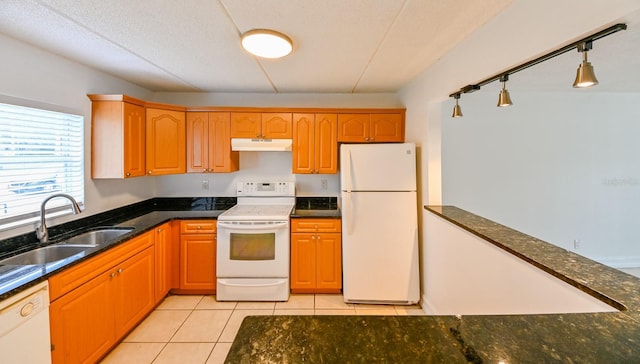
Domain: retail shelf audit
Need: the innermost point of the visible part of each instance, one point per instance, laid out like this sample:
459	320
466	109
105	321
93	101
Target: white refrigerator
379	223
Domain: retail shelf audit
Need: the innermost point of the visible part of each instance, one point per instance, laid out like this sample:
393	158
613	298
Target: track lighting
504	99
585	77
457	111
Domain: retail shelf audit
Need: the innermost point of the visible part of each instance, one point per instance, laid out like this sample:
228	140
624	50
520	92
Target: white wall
523	31
560	166
466	275
34	78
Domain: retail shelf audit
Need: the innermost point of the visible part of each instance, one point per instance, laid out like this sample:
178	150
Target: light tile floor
199	329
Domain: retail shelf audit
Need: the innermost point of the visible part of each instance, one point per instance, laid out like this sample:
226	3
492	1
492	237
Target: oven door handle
270	284
253	226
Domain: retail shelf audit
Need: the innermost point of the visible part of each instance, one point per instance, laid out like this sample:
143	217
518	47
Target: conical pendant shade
504	99
457	111
585	77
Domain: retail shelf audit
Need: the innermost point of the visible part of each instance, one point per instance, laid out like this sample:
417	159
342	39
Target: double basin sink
76	245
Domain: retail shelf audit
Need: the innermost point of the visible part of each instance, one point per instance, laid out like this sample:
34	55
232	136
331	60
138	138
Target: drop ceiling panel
424	32
167	45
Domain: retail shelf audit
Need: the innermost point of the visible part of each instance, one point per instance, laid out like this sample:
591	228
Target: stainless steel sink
45	255
96	237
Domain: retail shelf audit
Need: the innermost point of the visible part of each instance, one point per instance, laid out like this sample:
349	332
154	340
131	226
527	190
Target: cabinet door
221	158
387	128
163	260
303	262
353	128
198	142
277	125
326	143
329	262
198	262
134	141
82	322
134	287
166	135
303	149
245	125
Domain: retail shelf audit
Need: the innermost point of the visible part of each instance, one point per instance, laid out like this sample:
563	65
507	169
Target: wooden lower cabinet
316	256
99	301
198	256
164	260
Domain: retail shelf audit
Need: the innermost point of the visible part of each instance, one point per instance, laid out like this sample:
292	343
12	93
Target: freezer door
380	247
378	167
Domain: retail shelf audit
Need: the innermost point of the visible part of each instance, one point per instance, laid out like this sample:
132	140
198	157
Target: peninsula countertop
611	337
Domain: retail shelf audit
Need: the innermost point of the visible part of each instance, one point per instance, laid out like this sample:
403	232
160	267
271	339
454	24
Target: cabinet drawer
316	225
74	277
198	227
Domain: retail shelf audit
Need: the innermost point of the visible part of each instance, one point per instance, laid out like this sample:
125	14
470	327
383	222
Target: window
41	153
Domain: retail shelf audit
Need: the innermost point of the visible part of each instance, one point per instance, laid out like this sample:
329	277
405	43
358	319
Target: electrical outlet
576	244
324	184
205	184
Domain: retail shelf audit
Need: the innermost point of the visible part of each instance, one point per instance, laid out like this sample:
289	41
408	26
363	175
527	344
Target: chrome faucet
41	231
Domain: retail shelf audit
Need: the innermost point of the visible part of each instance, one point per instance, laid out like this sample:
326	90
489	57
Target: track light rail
575	45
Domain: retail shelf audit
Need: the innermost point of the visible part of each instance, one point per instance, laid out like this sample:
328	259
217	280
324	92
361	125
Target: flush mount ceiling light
585	77
266	43
504	99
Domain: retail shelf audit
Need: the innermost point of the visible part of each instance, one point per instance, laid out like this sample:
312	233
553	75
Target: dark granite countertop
611	337
142	216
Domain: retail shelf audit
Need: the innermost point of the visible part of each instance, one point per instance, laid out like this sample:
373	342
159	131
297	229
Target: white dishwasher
24	327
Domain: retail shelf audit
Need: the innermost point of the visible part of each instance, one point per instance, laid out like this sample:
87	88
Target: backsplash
316	203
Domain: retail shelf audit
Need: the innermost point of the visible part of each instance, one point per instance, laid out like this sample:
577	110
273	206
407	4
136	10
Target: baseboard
427	307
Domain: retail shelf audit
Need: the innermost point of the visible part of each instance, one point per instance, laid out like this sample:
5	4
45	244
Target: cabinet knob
204	170
366	138
128	174
371	139
159	230
119	270
149	172
198	227
112	275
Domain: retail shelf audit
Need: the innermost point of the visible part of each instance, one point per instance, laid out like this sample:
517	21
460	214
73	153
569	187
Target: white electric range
253	243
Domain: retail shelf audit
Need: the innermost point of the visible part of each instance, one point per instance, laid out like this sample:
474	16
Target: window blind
41	153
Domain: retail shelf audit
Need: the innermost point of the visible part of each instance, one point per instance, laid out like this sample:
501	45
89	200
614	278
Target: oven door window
247	246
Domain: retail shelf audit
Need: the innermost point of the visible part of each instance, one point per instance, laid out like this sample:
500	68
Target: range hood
261	145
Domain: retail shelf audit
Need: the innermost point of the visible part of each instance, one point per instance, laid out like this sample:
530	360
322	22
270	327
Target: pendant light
504	99
457	111
585	76
266	43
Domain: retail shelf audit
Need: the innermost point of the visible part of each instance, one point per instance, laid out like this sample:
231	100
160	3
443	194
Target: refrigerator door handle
347	171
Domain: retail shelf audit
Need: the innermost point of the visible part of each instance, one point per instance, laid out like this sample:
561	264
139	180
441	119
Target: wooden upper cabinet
246	124
117	137
277	125
371	128
261	125
315	143
166	141
387	128
221	158
209	143
353	128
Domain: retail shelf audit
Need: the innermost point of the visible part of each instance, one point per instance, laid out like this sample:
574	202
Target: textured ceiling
166	45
